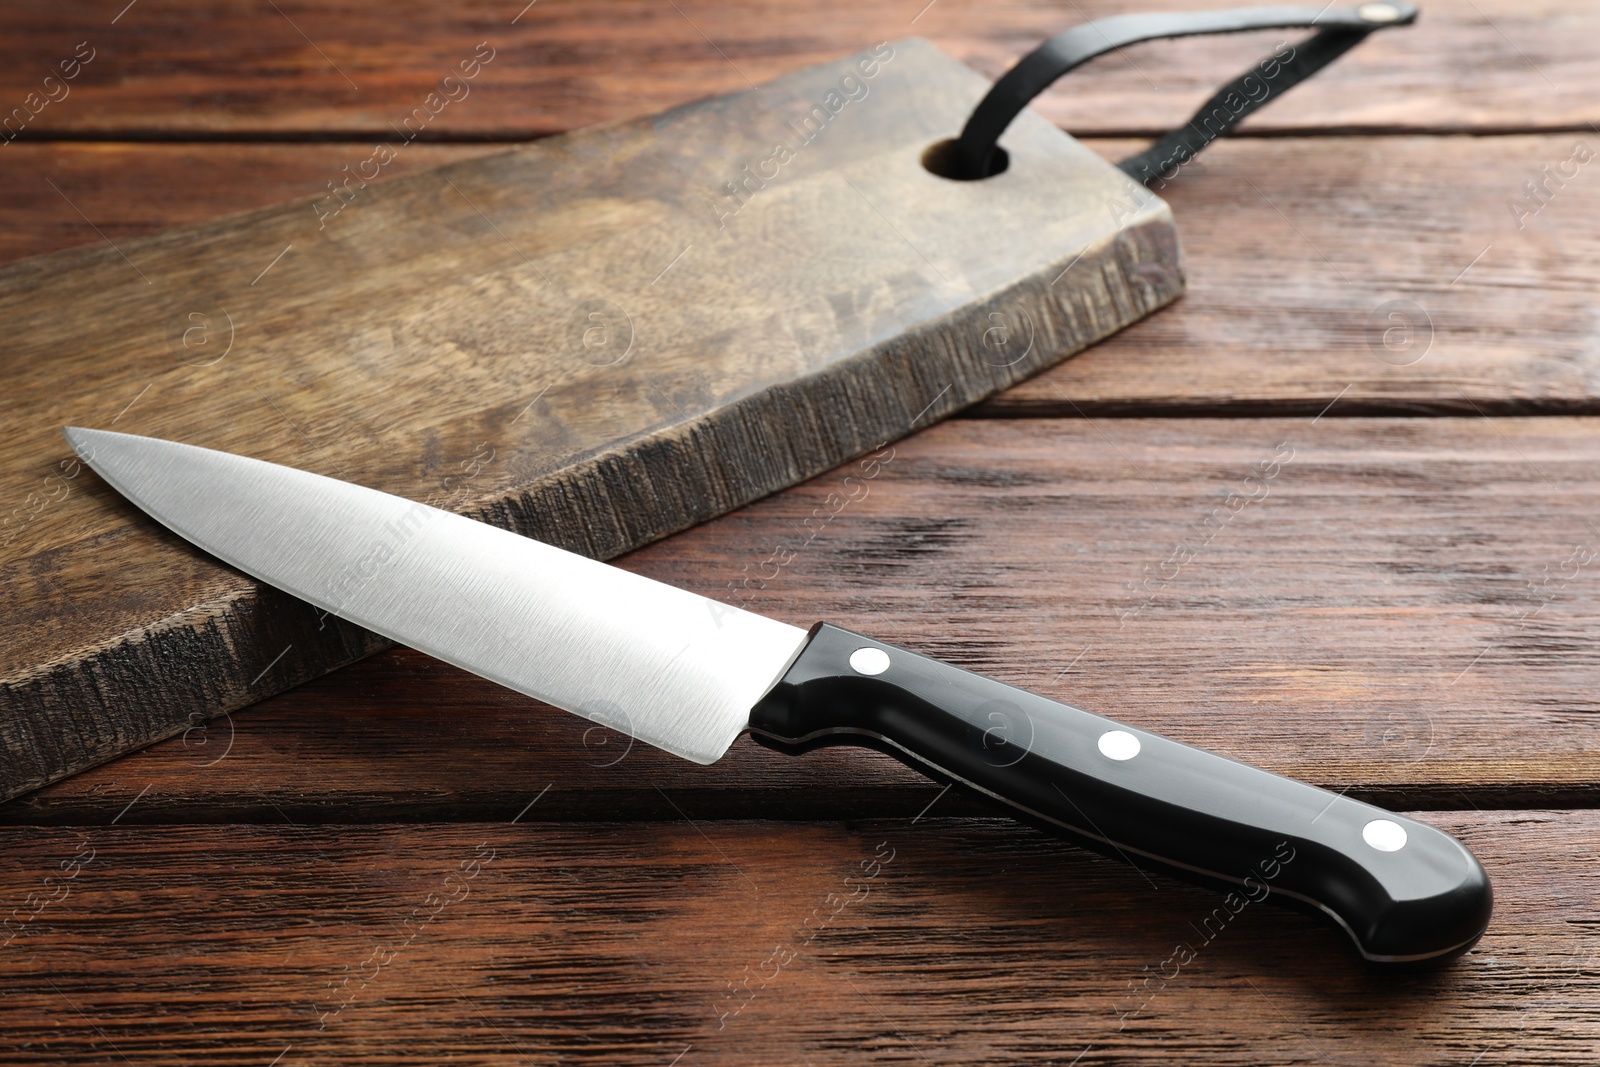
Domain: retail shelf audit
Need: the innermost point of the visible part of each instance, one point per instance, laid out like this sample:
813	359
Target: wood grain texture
299	69
1268	326
117	191
1405	609
533	337
1397	274
896	941
1322	631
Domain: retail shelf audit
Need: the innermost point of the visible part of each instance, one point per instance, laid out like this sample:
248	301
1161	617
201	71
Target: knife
689	675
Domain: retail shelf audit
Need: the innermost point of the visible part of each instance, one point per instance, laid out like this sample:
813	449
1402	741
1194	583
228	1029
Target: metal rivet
1377	12
1384	835
869	661
1118	745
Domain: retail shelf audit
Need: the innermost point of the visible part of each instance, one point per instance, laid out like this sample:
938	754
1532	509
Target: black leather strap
1338	30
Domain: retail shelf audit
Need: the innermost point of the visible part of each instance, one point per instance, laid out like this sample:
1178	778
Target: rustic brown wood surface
895	940
585	340
232	69
120	190
1293	247
1409	614
1399	614
1398	274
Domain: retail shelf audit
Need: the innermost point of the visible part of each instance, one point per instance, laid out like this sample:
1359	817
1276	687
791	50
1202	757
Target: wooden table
403	862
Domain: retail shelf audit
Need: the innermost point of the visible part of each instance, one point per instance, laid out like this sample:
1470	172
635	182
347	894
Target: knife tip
82	439
86	442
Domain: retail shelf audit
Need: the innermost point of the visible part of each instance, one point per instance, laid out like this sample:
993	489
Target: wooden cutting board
596	340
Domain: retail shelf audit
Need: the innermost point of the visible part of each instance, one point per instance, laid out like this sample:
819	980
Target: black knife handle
1404	891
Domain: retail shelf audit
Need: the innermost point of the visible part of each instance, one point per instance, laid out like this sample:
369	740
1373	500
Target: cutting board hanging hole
940	158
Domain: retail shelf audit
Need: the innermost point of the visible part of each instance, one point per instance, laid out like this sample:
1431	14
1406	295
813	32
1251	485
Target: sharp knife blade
687	674
671	668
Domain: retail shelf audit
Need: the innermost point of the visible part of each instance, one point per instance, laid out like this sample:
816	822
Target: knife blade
689	675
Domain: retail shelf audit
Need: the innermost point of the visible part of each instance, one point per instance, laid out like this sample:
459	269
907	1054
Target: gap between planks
137	135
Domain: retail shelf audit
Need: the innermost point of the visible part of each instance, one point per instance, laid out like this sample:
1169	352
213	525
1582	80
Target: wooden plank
122	190
1407	611
1399	275
292	69
585	340
935	941
1268	326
